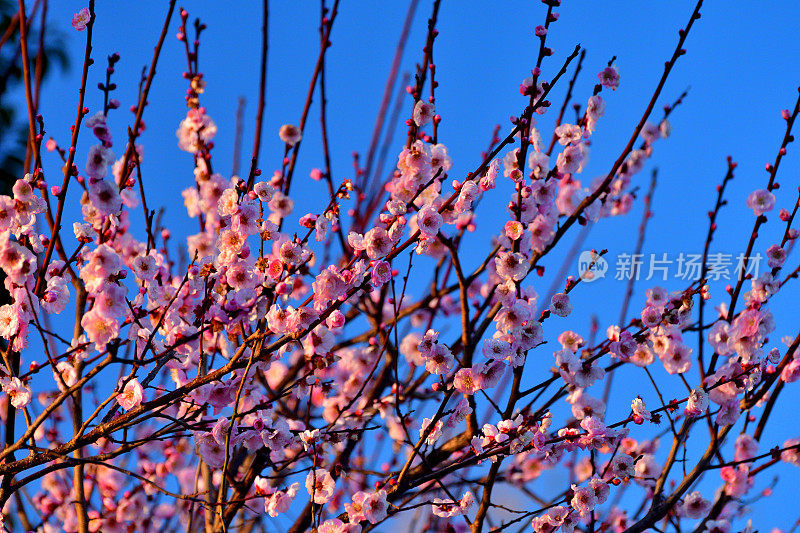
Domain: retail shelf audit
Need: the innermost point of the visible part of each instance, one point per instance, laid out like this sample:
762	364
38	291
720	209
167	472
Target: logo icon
591	266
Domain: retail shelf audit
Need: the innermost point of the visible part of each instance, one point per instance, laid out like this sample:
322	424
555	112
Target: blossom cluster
304	368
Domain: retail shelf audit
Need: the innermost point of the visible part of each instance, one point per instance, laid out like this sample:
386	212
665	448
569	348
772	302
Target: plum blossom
560	305
459	414
375	506
377	243
496	349
511	265
19	393
594	110
279	501
334	525
97	123
56	296
583	499
423	112
449	508
760	201
609	77
99	328
466	382
132	395
98	160
196	129
621	466
791	453
432	435
568	133
81	19
695	506
381	273
775	256
651	316
429	221
290	134
572	158
639	410
439	359
320	485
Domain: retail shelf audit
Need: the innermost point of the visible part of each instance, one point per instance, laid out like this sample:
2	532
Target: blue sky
741	67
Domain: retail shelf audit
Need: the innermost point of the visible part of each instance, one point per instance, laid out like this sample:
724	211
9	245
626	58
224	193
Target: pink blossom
791	372
583	500
676	358
746	447
651	316
100	157
584	405
496	349
99	328
381	273
775	256
487	181
621	466
65	375
466	382
290	134
81	19
105	197
19	393
439	360
695	506
728	413
791	455
334	525
511	265
110	300
449	508
513	230
375	506
761	201
737	480
9	321
568	133
656	296
638	408
609	77
196	129
432	435
423	113
144	266
539	164
560	305
572	159
459	414
264	191
489	374
594	110
280	205
320	485
132	395
377	243
642	356
600	488
625	347
429	221
280	501
355	509
96	123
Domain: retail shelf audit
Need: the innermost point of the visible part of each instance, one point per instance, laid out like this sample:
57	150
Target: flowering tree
342	369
